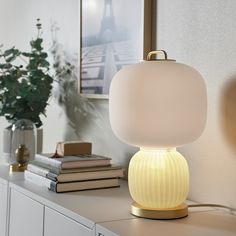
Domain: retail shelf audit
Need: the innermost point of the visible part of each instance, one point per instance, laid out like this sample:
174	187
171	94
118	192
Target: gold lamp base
18	167
161	214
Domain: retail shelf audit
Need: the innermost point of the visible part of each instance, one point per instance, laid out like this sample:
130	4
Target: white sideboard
3	206
27	209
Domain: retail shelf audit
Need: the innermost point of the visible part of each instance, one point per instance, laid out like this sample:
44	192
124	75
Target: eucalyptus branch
18	82
39	28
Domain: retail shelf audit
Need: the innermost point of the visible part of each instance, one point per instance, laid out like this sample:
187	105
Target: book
70	186
88	175
72	162
77	174
69	148
38	169
37	179
43	169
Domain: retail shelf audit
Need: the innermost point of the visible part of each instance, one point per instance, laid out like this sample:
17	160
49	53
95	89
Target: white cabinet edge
3	181
74	216
4	208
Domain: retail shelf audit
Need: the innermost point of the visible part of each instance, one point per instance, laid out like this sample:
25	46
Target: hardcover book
70	186
90	175
77	174
72	162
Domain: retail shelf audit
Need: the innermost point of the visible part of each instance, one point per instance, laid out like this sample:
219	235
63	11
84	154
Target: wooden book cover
69	148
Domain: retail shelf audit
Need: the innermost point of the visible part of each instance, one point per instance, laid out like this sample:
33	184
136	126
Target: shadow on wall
93	125
228	111
87	119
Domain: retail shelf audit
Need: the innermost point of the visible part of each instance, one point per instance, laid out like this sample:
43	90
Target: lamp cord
232	210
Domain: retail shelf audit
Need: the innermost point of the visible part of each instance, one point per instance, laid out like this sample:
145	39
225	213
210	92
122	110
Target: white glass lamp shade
158	104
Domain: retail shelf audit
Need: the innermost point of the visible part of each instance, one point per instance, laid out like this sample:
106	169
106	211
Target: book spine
83	164
53	186
44	166
55	171
52	176
37	170
48	161
37	179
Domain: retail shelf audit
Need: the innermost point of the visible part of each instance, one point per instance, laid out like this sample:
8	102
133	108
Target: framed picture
113	34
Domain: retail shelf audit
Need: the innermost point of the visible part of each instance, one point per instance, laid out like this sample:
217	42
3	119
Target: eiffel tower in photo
108	26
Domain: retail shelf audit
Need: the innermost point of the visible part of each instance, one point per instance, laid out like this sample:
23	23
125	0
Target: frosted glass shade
158	178
158	104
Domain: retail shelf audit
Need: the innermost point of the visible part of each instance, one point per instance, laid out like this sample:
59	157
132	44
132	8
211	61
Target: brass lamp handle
150	54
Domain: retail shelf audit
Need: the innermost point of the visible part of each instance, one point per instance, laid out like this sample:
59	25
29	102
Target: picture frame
113	34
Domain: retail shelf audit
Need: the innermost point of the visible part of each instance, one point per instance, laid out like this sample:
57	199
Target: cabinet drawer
60	225
26	215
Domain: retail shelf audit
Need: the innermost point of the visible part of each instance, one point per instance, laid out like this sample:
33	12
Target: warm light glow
158	178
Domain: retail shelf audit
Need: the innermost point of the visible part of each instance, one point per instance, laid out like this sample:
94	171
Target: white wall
199	33
203	35
17	27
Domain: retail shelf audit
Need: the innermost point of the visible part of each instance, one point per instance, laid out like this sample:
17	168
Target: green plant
25	89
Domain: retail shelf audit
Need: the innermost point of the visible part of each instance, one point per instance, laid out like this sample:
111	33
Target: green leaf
8	52
11	54
44	55
36	44
5	66
10	59
26	54
44	63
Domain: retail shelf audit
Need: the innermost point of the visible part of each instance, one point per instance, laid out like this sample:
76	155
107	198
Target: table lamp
158	105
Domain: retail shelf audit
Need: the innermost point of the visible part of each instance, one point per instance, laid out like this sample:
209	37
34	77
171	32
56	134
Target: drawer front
26	215
60	225
3	209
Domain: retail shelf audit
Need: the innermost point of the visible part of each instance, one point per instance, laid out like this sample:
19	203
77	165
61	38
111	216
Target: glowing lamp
158	105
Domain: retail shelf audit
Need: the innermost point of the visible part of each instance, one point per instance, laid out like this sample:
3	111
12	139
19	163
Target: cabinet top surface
208	223
6	176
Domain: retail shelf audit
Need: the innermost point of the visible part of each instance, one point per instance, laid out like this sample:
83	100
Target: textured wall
203	35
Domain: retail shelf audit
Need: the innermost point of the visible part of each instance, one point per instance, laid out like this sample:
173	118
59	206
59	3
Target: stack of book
73	173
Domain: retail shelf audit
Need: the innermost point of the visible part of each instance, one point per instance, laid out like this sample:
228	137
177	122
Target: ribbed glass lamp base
159	178
161	214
